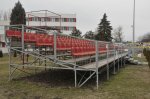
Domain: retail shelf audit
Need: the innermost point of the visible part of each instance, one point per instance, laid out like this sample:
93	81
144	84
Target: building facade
66	23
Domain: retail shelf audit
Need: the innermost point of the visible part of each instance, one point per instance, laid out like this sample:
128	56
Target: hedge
146	53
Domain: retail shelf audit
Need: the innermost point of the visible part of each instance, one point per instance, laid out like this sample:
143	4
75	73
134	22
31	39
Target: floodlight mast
133	51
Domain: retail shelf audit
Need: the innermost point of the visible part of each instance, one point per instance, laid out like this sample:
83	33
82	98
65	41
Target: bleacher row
78	47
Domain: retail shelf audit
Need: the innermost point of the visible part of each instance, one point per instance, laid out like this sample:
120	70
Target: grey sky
89	12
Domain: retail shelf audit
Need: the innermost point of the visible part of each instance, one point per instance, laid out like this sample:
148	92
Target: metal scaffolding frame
113	57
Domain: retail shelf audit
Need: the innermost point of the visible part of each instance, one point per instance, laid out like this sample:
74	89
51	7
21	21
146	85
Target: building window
48	19
65	28
29	19
74	19
65	19
56	19
53	19
71	28
39	19
3	44
42	19
71	19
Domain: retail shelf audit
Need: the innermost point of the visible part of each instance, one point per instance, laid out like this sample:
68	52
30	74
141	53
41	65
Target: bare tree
8	14
5	17
118	34
1	14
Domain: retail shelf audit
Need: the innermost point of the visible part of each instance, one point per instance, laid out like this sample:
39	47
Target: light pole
133	51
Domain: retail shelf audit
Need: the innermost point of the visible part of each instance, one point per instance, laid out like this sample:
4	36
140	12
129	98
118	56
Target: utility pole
133	51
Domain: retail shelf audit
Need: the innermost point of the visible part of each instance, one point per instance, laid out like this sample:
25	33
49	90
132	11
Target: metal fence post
96	46
10	60
118	58
121	57
114	71
55	46
9	46
75	76
22	41
107	46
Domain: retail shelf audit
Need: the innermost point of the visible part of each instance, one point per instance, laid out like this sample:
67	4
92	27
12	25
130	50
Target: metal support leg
45	59
55	46
75	76
10	61
107	62
22	34
124	61
114	70
121	58
97	64
118	61
97	78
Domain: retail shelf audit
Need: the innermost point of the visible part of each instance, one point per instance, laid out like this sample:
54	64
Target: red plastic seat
48	42
61	46
39	42
9	33
17	34
32	37
75	51
26	37
13	33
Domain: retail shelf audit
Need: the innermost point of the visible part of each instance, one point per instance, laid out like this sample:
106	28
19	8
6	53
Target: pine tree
18	15
104	30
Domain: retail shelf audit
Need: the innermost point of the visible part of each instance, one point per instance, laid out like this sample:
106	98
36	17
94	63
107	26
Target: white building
66	23
2	36
2	44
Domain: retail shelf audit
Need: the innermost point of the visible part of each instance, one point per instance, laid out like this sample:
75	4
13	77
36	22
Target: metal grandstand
52	50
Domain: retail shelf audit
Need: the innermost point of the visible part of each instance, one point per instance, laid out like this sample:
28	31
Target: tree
1	53
145	38
118	34
1	14
5	16
76	33
89	35
18	15
104	30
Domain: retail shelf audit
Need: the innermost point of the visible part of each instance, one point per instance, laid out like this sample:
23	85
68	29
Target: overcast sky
89	12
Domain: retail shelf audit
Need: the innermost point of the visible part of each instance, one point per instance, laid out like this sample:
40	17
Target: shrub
146	53
1	53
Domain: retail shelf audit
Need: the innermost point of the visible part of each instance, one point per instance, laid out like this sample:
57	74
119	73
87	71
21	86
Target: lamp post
133	51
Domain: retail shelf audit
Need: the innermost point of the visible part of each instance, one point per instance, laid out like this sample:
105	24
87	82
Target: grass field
131	82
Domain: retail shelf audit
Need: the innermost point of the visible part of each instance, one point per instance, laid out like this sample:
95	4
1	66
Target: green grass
131	82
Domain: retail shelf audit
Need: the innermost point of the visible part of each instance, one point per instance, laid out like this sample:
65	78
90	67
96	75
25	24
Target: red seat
17	34
61	46
48	42
32	37
9	33
102	50
26	37
75	51
13	33
39	42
